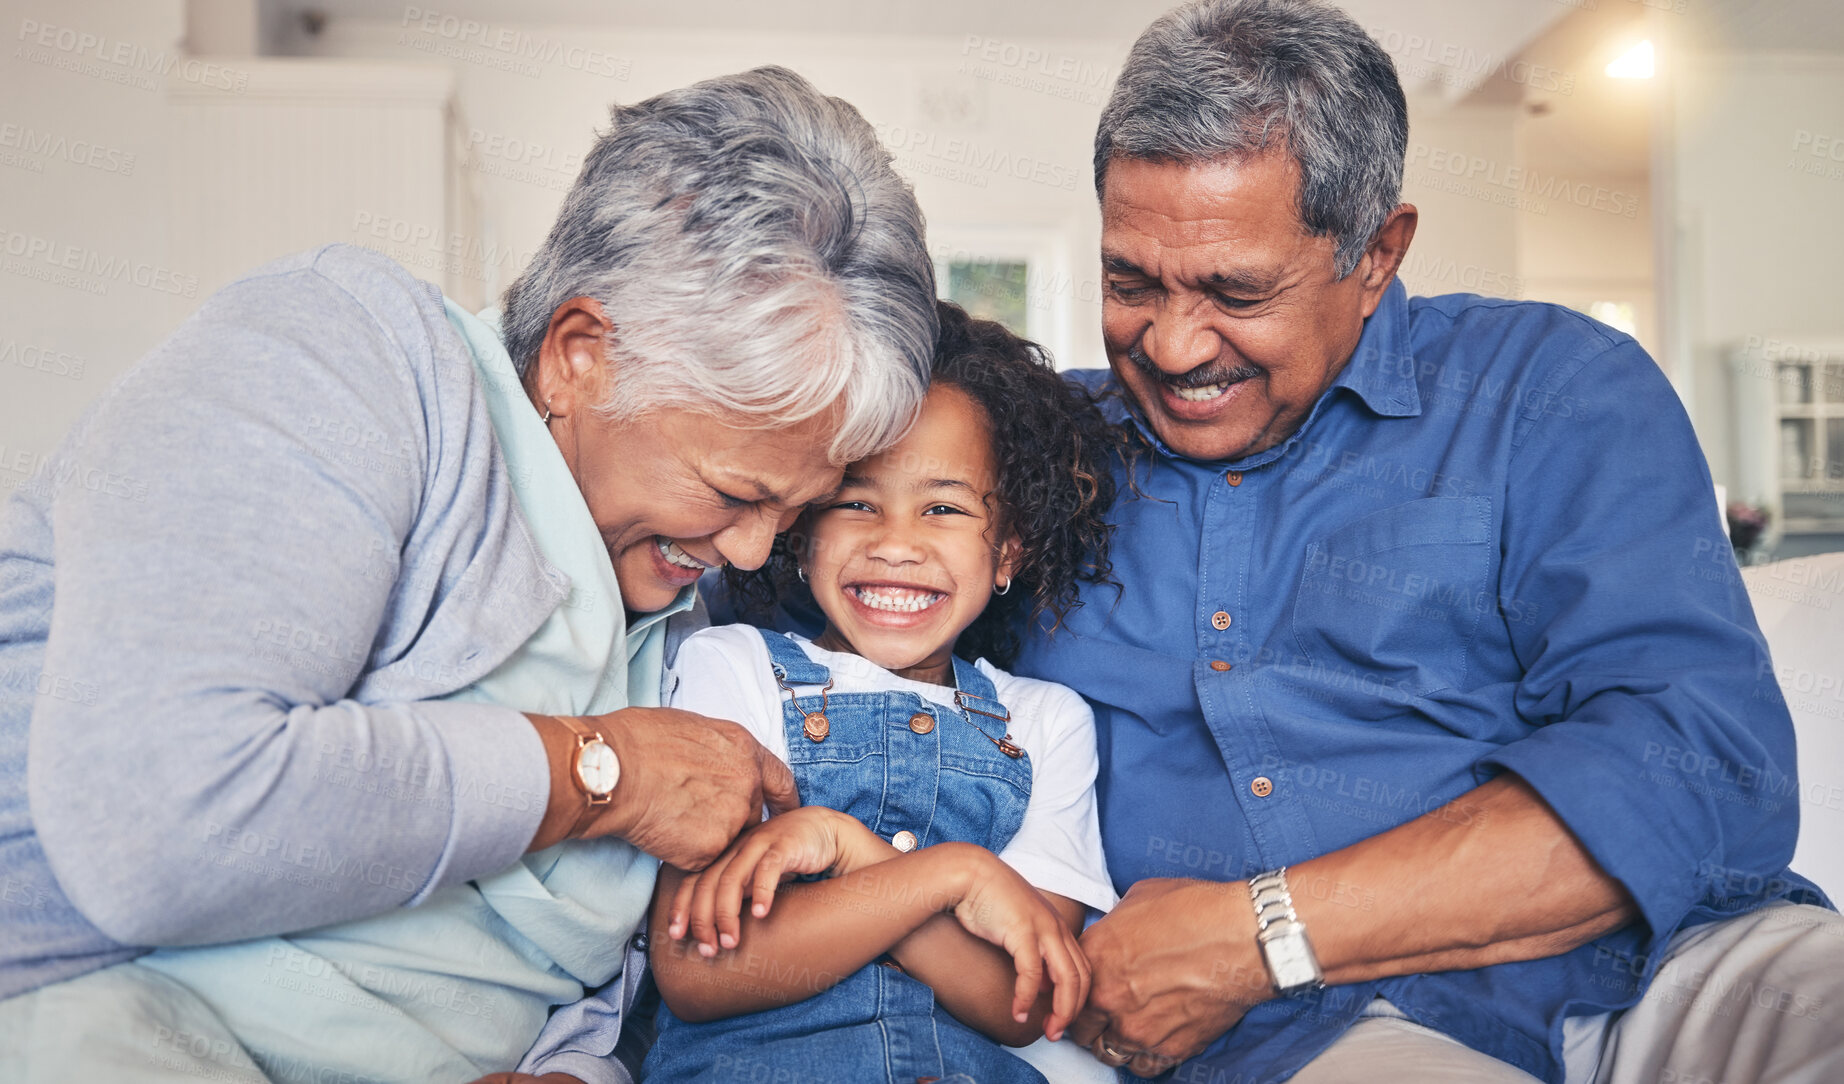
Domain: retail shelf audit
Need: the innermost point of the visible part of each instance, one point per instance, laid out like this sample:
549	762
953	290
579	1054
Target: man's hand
1175	966
688	784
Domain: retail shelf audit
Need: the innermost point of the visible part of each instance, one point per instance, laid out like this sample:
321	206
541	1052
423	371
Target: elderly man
1435	745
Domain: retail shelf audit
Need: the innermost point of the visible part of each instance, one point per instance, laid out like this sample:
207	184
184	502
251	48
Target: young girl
948	845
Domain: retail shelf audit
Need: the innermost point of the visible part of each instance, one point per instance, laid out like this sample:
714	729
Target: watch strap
1276	922
592	802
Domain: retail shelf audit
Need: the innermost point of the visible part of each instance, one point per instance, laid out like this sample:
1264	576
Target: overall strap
976	690
790	663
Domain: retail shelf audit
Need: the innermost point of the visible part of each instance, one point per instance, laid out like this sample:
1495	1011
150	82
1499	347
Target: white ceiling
1800	25
1603	127
1107	19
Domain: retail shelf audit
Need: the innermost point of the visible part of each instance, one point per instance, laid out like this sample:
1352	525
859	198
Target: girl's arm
965	971
817	934
962	969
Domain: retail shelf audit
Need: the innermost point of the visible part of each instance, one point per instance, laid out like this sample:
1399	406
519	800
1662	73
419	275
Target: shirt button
1219	620
904	841
1219	666
921	722
1261	786
1234	477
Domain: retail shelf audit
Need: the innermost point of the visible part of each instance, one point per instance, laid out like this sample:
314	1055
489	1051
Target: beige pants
1754	1000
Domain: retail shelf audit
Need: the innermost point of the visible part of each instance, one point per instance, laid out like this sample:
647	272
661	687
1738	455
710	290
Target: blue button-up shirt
1492	546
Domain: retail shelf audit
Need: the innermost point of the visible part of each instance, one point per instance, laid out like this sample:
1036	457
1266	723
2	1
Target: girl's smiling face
909	552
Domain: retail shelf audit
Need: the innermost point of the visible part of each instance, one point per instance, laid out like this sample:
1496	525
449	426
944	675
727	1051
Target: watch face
1290	962
597	769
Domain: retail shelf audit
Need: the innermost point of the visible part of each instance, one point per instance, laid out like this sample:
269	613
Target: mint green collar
585	659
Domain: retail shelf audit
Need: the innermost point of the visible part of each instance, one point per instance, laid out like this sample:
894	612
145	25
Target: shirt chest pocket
1395	598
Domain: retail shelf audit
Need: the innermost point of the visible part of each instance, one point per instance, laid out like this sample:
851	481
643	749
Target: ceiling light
1635	63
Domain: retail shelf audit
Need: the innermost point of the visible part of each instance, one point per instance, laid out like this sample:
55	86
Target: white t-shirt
724	673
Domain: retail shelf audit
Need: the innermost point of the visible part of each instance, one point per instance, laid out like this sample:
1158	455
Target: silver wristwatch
1292	967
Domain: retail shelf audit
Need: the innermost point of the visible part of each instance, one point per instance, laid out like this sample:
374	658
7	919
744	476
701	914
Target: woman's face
908	553
673	492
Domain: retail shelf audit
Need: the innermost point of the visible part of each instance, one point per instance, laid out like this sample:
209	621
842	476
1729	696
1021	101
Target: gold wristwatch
593	765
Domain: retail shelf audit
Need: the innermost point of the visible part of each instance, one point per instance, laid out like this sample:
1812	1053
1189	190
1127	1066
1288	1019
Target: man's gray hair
1223	79
758	257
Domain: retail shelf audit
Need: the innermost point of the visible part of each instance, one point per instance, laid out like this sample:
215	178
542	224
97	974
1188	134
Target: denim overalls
915	772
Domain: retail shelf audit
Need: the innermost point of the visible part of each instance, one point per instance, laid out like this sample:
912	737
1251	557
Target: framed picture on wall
1021	278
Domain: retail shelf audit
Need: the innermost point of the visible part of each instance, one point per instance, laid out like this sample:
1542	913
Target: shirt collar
1380	372
684	600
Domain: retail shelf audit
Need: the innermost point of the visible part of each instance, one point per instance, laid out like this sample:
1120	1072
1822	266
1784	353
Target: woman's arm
235	522
689	783
221	590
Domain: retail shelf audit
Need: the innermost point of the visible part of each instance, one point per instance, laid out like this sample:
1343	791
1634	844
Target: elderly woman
377	621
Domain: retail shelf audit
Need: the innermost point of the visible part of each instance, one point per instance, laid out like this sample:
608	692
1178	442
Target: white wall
1459	162
86	278
996	165
1759	229
1588	238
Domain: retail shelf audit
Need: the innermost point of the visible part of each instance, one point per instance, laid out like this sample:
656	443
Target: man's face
1223	317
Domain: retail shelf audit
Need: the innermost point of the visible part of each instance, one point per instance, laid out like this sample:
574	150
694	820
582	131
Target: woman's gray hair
758	257
1221	79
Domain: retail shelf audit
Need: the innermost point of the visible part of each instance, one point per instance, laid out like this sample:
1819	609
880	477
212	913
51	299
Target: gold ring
1109	1050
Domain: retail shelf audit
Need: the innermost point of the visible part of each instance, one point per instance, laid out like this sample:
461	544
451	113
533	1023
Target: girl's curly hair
1055	485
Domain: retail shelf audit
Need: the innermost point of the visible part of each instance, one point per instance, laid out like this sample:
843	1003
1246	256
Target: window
1023	279
1810	412
992	290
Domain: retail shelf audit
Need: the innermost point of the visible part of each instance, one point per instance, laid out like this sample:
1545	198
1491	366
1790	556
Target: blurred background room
1673	168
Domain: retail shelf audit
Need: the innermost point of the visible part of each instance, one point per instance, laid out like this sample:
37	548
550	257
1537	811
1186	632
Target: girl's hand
1002	908
811	839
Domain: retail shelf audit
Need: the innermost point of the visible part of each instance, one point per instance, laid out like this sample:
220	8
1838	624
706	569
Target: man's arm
1492	877
1507	881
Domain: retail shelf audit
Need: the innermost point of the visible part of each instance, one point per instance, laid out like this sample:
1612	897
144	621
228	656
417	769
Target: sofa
1800	605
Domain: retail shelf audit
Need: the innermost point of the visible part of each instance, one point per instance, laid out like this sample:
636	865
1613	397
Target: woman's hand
811	839
1002	908
688	784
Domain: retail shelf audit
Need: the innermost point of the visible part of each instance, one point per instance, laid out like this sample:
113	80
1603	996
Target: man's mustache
1201	377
